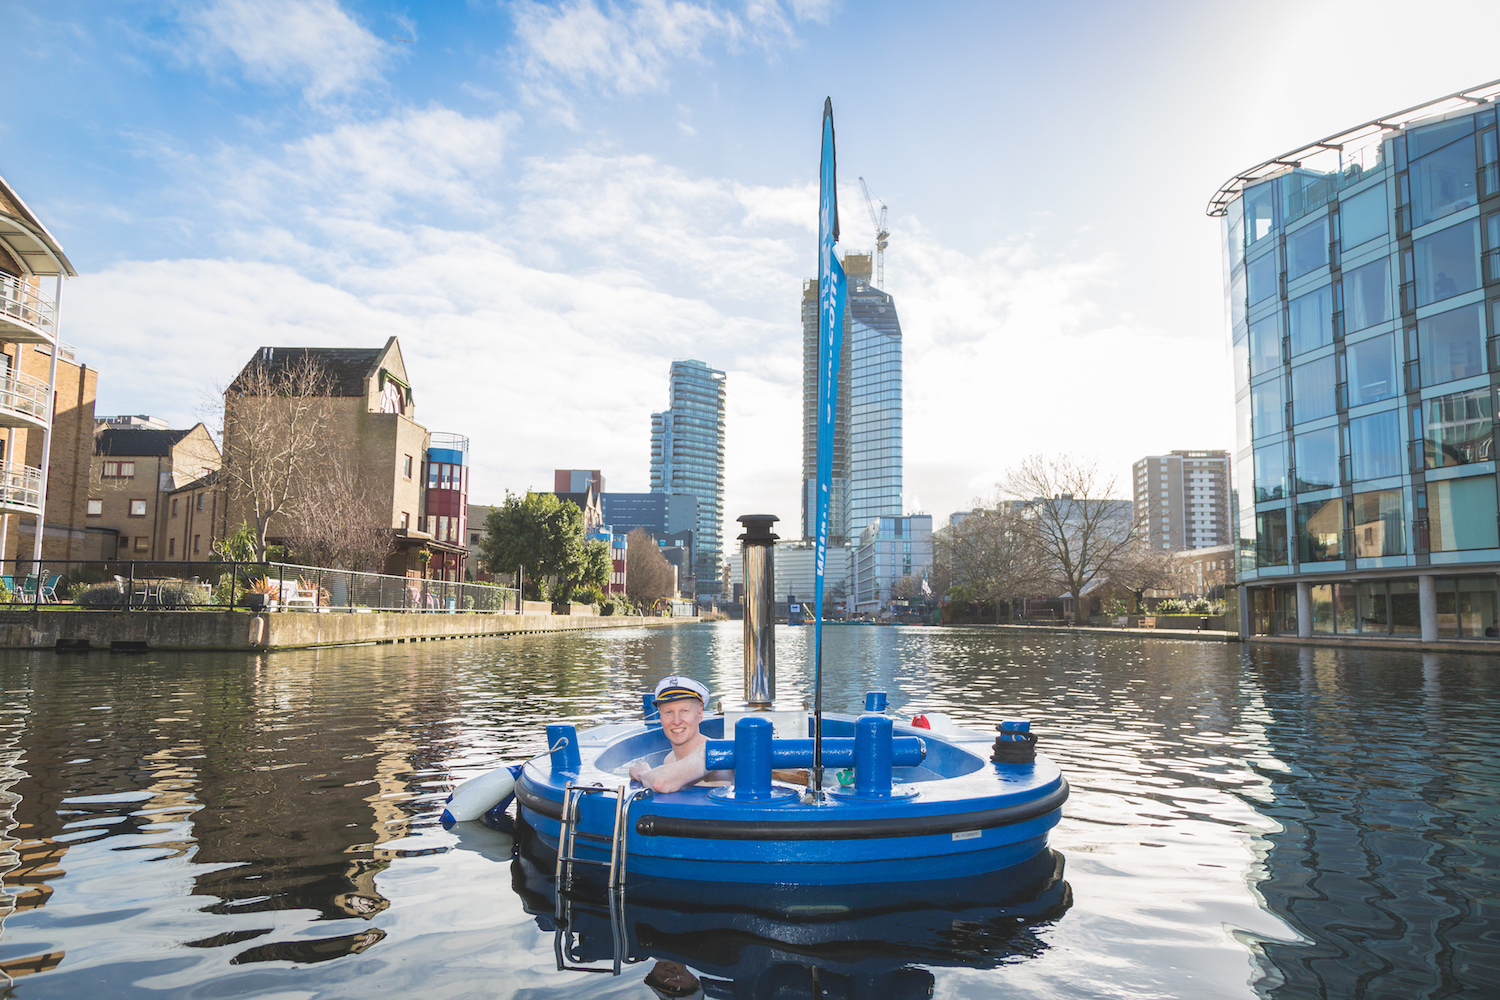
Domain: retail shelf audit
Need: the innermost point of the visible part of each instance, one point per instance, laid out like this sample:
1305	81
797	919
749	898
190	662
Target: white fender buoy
938	722
477	796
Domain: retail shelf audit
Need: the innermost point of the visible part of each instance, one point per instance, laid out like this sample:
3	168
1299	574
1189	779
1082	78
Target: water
1246	821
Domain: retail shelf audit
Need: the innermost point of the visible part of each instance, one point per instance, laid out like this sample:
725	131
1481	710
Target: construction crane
882	235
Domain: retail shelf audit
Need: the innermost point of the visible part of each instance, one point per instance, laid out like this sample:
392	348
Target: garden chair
49	589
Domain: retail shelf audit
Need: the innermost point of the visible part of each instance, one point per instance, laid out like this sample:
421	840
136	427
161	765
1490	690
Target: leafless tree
991	554
648	575
338	526
1069	512
1139	568
275	441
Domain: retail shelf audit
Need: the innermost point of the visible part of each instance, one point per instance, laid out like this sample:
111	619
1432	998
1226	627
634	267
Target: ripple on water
1244	821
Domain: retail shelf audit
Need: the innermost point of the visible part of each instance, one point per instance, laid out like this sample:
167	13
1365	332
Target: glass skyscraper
1362	274
687	457
867	421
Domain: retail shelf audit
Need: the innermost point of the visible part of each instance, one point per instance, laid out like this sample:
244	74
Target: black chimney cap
758	528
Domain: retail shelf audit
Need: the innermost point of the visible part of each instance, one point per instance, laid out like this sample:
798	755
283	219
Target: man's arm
673	775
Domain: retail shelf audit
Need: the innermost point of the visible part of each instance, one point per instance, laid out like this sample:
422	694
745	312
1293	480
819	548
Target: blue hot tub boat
923	805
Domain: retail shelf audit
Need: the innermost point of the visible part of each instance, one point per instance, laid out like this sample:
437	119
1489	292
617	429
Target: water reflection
1273	821
752	942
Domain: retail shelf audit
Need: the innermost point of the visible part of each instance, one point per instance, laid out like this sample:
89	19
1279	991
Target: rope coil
1015	748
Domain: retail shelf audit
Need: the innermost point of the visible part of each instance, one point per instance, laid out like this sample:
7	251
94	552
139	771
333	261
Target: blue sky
548	203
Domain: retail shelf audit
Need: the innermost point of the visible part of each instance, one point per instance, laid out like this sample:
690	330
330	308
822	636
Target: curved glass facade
1363	288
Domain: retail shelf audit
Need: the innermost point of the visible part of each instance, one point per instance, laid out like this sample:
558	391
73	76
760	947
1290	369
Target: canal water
1245	821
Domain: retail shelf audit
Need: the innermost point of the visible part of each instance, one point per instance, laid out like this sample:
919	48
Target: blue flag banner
832	293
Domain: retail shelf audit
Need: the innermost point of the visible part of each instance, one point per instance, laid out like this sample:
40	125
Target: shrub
100	595
1202	606
587	595
1171	606
181	594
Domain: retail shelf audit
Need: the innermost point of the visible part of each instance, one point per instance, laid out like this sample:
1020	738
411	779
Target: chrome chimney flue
759	547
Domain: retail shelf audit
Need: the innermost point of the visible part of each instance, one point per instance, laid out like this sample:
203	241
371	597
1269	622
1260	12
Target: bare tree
339	527
1069	513
275	436
991	554
1139	568
648	575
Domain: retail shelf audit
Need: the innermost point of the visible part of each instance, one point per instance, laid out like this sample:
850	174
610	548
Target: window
1310	318
1320	530
1450	345
1270	472
174	506
1460	429
200	501
1379	524
406	467
1313	390
1461	514
1447	263
1367	295
171	548
1363	218
119	470
1261	276
94	508
1372	369
196	539
1307	249
1260	211
1375	445
137	508
142	542
405	521
1442	179
1492	245
1268	407
124	543
1317	459
1270	538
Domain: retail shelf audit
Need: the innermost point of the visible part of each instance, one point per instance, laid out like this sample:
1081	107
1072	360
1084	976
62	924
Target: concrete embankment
53	628
1203	635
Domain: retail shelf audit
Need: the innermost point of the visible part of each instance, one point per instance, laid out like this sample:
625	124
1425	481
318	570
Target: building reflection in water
1379	861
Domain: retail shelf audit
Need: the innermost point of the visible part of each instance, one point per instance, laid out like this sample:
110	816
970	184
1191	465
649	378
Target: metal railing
20	487
123	584
1488	178
26	395
1420	536
1413	372
24	303
1417	455
1492	265
1408	295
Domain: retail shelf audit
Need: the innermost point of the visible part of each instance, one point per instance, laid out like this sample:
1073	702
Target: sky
548	203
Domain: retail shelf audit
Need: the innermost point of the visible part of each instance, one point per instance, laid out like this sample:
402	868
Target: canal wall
69	629
1204	635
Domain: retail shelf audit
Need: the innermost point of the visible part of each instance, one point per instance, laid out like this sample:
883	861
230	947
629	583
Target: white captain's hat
678	689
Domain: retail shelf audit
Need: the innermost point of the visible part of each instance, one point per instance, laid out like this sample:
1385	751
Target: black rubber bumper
654	825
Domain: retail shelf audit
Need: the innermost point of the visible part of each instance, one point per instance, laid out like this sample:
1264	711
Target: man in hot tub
680	701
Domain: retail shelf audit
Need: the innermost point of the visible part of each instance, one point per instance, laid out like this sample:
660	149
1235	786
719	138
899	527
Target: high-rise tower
687	457
867	422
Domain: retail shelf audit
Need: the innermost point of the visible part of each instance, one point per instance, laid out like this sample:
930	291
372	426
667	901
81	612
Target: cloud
312	44
631	47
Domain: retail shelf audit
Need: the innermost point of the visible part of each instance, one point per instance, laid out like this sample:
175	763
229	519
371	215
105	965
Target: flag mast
832	292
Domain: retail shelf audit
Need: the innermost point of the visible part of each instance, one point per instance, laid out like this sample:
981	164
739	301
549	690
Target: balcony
24	400
20	488
26	315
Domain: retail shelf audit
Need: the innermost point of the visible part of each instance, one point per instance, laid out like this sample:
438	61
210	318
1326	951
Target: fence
219	586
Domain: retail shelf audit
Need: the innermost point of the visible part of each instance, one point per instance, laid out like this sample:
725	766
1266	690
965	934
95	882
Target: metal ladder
567	858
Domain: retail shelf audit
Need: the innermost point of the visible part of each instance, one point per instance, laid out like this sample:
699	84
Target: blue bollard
562	743
752	758
872	755
1012	729
875	702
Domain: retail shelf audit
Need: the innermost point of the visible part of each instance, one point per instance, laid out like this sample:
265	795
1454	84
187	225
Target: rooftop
1352	150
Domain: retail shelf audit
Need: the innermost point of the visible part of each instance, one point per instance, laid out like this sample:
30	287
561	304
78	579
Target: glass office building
687	457
1362	274
867	459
